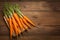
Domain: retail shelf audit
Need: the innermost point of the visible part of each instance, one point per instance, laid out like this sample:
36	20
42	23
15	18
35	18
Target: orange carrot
7	22
10	23
23	24
18	21
26	18
14	23
17	26
19	31
26	22
7	19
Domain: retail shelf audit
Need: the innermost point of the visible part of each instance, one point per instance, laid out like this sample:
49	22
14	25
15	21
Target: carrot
16	7
14	23
23	24
18	12
18	21
10	26
26	22
7	20
27	19
10	23
19	31
17	26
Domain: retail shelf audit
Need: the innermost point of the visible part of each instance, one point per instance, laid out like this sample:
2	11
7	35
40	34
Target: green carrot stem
9	12
18	11
16	7
11	8
5	13
7	6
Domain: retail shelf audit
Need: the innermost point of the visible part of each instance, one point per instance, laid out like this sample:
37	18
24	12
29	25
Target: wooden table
46	15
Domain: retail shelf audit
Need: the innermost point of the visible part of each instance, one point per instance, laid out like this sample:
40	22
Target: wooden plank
28	0
4	38
36	6
41	37
44	17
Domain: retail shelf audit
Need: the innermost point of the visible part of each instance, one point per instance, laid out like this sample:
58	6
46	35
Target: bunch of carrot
16	21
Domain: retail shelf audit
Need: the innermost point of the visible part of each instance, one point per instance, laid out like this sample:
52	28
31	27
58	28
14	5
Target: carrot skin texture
7	19
18	21
25	26
10	23
27	19
26	23
14	23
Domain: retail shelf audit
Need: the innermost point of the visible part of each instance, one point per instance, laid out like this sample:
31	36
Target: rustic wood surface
28	0
46	15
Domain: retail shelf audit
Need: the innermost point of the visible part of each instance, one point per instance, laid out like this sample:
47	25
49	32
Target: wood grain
41	19
44	14
28	0
36	6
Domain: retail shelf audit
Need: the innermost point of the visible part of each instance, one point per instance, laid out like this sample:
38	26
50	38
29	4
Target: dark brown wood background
45	14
